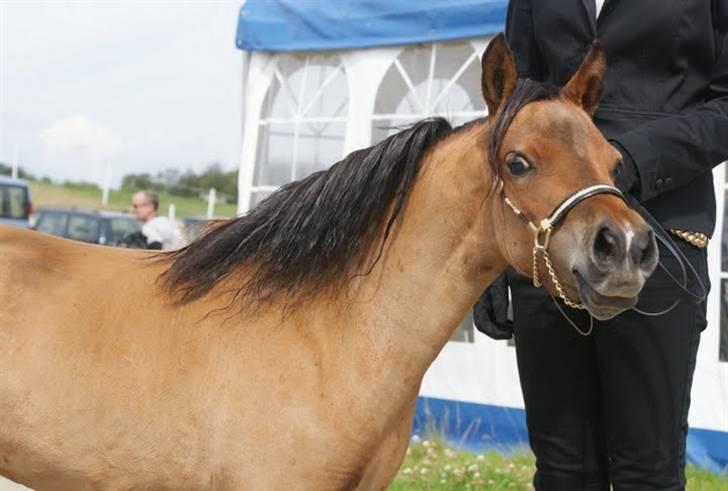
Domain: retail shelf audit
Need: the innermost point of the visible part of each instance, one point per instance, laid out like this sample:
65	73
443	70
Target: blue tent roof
305	25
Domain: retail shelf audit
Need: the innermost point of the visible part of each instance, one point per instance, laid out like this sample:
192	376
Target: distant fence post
16	163
211	203
107	184
172	211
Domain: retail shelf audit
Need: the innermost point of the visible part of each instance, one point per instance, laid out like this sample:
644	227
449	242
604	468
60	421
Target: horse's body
131	391
107	383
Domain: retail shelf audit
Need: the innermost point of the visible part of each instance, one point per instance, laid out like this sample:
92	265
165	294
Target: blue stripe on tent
481	426
295	25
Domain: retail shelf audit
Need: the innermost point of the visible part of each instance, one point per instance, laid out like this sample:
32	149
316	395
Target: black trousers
610	408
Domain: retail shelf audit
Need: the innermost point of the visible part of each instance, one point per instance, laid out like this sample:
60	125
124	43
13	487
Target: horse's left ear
585	86
499	73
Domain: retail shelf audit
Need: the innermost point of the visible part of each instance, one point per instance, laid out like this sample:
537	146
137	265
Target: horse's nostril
605	244
644	251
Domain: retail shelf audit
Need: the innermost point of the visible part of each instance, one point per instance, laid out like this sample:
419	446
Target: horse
284	349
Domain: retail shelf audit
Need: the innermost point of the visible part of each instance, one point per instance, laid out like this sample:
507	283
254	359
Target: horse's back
70	314
29	259
46	281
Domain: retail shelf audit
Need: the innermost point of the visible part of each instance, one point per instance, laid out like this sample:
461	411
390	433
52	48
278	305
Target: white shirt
600	4
163	230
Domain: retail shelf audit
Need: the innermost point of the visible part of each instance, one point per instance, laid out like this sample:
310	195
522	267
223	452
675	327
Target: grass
89	197
433	465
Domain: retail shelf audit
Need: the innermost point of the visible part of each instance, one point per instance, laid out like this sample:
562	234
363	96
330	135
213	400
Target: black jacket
665	100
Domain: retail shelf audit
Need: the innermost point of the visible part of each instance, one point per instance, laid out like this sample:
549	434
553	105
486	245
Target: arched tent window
441	79
429	80
303	121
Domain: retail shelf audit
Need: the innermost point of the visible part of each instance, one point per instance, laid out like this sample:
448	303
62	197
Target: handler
612	407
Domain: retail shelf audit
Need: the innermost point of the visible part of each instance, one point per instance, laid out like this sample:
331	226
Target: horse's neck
439	257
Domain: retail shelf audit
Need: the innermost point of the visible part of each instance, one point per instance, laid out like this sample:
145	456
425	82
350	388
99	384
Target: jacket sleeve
669	152
521	38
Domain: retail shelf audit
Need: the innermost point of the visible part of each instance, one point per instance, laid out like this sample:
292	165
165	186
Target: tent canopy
310	25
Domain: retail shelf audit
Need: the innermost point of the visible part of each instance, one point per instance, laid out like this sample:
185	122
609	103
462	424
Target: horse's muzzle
619	261
613	248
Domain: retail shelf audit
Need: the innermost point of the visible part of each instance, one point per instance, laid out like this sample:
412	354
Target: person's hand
490	312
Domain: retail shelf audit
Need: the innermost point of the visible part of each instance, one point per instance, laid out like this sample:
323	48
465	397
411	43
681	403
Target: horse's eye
618	169
517	165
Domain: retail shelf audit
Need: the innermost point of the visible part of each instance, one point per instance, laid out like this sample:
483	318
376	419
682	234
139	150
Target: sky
139	86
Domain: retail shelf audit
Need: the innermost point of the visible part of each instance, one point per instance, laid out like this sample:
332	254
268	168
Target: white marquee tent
326	77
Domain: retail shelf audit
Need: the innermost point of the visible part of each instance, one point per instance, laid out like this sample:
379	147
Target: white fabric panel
483	371
260	74
365	69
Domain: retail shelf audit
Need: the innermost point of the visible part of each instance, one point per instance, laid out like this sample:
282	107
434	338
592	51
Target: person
610	409
159	231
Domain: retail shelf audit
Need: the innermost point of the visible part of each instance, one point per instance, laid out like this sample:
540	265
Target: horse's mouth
600	306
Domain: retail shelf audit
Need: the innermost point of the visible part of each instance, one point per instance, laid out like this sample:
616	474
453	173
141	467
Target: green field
433	465
89	198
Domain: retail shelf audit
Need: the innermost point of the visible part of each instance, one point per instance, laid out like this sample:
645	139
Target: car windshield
13	201
52	223
121	227
84	228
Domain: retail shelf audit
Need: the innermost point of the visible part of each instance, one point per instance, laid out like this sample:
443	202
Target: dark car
15	205
95	227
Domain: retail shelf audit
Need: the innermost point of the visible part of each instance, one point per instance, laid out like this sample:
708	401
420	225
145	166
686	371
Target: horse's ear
585	86
499	73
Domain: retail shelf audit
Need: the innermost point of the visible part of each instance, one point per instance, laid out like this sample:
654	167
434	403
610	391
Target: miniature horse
285	348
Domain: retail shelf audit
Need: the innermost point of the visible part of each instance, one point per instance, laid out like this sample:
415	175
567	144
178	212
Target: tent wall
473	384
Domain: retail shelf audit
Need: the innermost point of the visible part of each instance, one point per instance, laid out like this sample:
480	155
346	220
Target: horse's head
550	161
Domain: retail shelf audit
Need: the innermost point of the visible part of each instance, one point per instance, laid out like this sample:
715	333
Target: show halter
542	235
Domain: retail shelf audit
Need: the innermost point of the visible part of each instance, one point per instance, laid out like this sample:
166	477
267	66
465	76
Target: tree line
170	180
188	183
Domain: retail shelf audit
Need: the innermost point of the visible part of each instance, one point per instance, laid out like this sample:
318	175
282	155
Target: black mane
311	232
319	230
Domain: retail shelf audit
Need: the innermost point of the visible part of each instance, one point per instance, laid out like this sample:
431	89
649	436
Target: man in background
159	231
